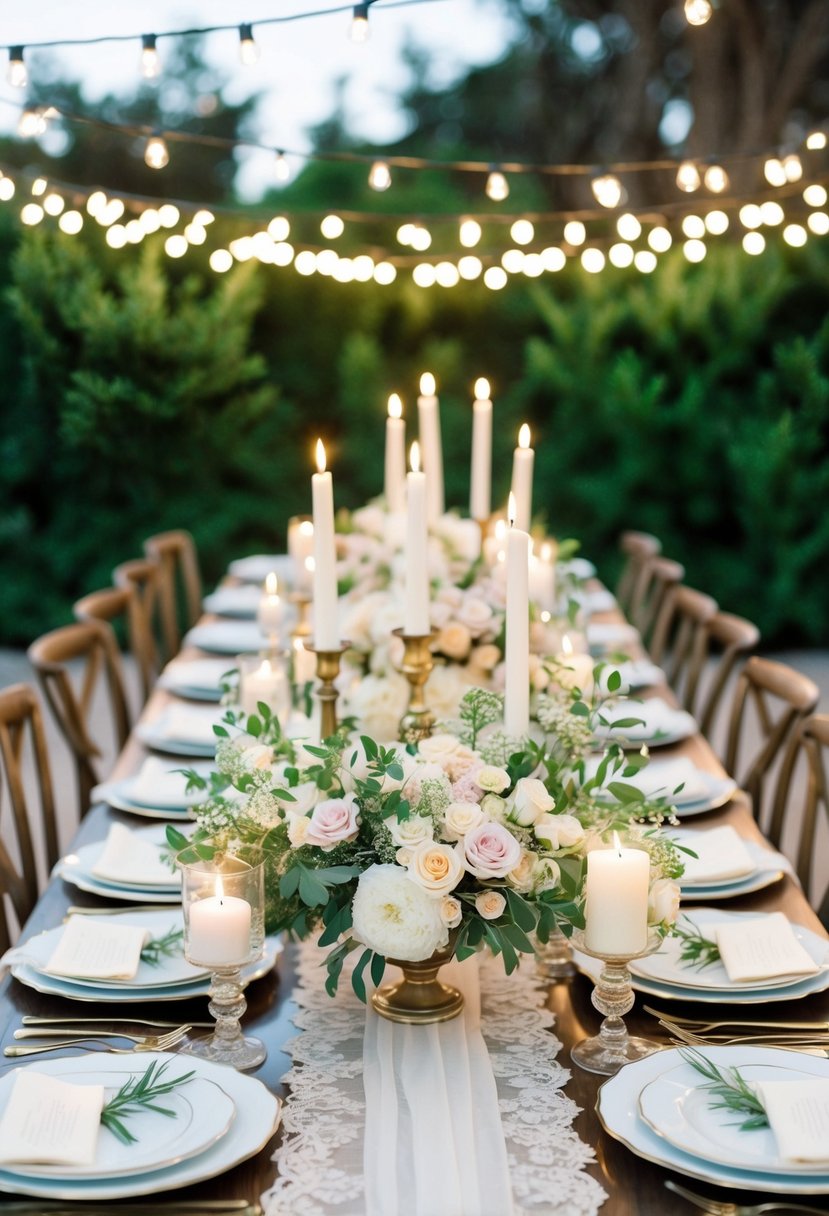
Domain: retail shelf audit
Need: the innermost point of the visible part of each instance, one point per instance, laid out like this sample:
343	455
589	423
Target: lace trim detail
320	1159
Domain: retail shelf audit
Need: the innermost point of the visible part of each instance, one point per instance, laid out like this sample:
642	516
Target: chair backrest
659	576
781	697
680	639
639	548
94	646
808	743
732	638
123	603
178	565
20	718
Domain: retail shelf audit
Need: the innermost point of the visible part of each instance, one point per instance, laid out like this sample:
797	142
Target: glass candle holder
223	901
612	1047
265	677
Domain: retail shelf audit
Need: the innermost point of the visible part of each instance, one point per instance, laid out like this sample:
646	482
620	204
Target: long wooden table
634	1187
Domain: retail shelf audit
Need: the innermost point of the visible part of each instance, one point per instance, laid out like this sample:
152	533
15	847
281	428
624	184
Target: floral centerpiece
464	840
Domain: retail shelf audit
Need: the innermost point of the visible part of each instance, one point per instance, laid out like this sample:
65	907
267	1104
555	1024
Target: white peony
357	622
476	614
528	801
460	818
444	691
663	901
378	703
437	868
407	833
395	917
559	831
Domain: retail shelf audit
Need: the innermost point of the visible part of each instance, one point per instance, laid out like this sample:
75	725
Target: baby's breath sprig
730	1088
141	1093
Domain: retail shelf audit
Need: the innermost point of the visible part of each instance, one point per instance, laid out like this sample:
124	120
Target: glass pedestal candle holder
607	1051
223	901
554	958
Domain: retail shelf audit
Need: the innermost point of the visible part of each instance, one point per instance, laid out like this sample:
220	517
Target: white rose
258	756
491	779
454	640
529	800
494	807
459	818
437	868
490	904
522	876
403	856
548	874
306	795
410	832
663	901
450	595
451	911
475	614
439	749
297	829
559	831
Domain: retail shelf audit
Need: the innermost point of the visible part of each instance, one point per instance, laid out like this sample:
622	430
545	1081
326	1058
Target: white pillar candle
616	900
480	493
269	612
219	930
428	417
522	479
300	549
517	656
305	664
395	469
266	683
543	578
416	620
326	628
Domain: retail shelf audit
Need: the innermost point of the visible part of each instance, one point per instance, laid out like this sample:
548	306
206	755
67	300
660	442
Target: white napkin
764	948
611	636
197	673
234	599
721	853
92	949
50	1121
661	777
188	723
600	600
156	784
129	858
798	1114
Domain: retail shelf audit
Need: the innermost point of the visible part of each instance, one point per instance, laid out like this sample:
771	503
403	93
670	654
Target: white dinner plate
657	723
678	1107
691	990
181	730
577	567
617	1107
107	993
77	868
227	637
257	567
600	600
198	679
240	602
122	795
202	1114
635	674
257	1118
769	868
612	637
719	791
172	970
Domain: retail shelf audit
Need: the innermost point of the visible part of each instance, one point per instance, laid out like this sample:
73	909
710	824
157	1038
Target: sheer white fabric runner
463	1119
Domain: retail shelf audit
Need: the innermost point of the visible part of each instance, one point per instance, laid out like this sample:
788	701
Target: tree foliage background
142	393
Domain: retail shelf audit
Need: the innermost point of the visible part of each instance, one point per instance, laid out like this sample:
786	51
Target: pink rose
332	822
491	851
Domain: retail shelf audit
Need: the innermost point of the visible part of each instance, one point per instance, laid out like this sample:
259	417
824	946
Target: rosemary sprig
140	1093
697	950
163	947
730	1089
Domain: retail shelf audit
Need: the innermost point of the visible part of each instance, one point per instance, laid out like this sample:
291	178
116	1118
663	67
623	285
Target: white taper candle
428	417
395	469
522	479
416	621
480	492
326	627
517	656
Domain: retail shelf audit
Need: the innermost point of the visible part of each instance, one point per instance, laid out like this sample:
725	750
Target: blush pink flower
332	822
491	851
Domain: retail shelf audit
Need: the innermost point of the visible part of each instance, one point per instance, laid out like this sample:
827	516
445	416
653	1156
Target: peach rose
490	904
437	868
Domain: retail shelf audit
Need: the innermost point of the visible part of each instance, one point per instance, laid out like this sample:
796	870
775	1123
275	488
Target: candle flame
307	527
546	617
320	457
427	384
482	389
309	564
219	891
271	583
546	552
414	457
500	529
617	844
395	406
524	436
566	645
511	510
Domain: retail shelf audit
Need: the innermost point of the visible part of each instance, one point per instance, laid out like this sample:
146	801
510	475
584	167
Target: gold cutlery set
80	1032
810	1037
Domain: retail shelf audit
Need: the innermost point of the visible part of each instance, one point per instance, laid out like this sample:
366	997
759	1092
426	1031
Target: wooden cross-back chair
680	639
178	567
93	644
809	743
662	574
20	718
639	549
732	638
123	603
781	697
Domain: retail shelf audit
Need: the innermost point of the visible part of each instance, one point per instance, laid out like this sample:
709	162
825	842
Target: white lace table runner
498	1119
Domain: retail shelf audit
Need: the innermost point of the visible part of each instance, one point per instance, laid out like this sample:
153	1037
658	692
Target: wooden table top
634	1187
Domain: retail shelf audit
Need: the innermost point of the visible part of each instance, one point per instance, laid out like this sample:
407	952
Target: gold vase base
416	726
419	998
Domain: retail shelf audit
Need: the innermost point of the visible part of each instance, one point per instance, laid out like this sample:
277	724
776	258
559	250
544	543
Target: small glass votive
223	901
265	677
612	1047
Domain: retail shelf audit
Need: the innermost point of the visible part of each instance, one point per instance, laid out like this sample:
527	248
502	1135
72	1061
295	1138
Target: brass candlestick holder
302	602
328	668
418	720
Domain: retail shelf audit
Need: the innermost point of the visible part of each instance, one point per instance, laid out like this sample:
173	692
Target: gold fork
44	1032
153	1042
796	1043
716	1207
702	1025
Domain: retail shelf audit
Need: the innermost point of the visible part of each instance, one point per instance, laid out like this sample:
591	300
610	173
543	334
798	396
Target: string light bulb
16	73
469	267
815	195
497	186
716	179
774	172
359	30
331	227
792	167
281	168
421	238
248	50
470	233
608	191
628	227
31	123
687	177
522	232
698	12
150	63
575	232
379	177
156	153
816	141
754	243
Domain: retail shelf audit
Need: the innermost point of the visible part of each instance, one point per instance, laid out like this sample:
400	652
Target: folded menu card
156	784
191	723
762	949
798	1114
128	857
720	854
97	950
50	1121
